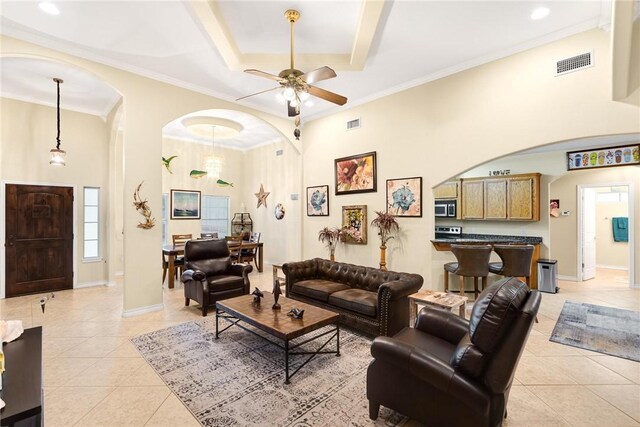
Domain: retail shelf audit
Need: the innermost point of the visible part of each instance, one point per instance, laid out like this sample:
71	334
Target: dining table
173	251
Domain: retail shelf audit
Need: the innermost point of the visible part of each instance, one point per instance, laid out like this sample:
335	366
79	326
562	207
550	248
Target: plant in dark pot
330	237
387	225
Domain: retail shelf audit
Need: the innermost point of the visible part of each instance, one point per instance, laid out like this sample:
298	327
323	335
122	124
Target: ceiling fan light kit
295	84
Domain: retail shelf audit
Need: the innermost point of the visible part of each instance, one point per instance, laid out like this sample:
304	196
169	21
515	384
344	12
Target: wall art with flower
354	224
356	174
318	200
404	197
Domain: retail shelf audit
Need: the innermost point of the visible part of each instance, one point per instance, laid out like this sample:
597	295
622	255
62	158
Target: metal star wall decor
262	197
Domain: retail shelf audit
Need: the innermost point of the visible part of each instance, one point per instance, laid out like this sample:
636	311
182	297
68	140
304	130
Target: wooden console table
22	381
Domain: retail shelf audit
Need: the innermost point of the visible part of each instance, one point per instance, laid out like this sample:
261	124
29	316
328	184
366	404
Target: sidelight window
91	223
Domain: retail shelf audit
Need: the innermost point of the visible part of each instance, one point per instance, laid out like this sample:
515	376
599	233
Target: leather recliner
448	371
209	275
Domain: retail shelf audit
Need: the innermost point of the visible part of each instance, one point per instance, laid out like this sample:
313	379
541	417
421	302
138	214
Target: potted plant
386	225
330	237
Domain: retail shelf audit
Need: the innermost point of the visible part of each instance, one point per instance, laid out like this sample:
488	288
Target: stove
448	232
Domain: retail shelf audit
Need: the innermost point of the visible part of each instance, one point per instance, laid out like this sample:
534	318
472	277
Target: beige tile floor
95	377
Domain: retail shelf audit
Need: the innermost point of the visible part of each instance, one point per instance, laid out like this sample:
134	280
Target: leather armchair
209	275
448	371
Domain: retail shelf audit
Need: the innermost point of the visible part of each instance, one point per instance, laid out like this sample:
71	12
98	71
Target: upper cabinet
447	190
472	199
508	198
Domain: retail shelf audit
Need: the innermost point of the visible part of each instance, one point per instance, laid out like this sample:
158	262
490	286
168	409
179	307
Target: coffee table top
276	322
442	299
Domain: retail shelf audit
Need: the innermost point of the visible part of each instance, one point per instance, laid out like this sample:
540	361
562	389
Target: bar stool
516	261
473	261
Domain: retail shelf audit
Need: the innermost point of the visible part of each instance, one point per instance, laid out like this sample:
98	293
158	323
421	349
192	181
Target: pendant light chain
58	81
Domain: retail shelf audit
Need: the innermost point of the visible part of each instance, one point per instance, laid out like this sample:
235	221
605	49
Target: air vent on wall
279	152
353	124
575	63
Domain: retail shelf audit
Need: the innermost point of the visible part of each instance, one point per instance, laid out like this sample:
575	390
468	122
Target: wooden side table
440	299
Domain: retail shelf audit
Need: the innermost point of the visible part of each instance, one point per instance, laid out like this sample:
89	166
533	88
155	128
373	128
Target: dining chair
235	247
208	235
248	255
179	239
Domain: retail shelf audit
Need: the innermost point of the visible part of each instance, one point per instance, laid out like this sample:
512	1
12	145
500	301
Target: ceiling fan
295	84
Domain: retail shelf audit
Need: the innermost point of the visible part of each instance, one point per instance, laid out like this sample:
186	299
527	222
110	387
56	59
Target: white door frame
3	209
631	209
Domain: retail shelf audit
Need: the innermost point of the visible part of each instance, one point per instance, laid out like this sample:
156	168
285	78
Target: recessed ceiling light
540	13
49	8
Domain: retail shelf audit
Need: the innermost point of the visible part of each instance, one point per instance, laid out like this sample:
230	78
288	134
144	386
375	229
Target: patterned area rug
238	380
603	329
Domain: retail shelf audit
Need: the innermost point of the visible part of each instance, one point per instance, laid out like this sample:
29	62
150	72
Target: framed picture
604	157
185	204
404	197
356	174
354	224
318	200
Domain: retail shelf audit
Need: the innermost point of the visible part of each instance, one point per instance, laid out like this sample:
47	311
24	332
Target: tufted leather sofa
209	275
451	372
368	299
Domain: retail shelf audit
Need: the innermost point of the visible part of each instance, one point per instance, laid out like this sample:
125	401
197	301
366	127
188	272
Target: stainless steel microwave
445	208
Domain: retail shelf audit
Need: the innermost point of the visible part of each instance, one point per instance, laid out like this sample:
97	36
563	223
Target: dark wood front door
39	239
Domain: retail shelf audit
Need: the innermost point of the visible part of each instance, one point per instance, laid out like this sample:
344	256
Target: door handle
10	240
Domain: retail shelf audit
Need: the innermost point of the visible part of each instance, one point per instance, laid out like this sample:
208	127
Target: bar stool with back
516	261
473	261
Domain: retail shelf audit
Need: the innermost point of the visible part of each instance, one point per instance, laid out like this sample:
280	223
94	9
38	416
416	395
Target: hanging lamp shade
57	154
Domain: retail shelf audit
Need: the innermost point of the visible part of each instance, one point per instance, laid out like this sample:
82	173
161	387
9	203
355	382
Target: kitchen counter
444	244
489	238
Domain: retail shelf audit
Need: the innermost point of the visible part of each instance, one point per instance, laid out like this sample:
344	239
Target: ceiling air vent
353	124
575	63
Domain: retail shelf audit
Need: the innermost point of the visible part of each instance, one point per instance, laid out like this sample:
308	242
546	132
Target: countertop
489	238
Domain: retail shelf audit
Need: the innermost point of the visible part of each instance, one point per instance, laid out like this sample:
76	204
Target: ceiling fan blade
292	111
323	73
327	96
265	75
258	93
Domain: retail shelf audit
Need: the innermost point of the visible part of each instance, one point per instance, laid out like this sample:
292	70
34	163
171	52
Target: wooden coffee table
441	299
277	324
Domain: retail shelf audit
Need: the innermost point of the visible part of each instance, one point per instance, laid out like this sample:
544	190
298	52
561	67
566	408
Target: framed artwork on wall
356	174
318	200
354	224
185	204
604	157
404	197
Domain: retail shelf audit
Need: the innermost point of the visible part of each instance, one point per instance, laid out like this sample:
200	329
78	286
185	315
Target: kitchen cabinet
472	199
447	190
508	198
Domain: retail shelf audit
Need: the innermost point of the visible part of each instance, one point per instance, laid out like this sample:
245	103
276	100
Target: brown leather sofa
451	372
209	275
368	299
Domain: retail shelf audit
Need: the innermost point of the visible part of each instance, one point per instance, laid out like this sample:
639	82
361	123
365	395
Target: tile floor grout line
612	403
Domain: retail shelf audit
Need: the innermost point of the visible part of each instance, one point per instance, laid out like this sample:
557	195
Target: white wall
609	253
443	128
28	132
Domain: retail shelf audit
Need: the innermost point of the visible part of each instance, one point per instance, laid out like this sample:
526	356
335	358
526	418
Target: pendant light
213	164
57	155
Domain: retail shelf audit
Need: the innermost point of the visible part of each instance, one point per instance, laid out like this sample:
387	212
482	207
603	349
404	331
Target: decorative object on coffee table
276	294
386	225
296	313
257	294
404	197
331	237
262	196
354	224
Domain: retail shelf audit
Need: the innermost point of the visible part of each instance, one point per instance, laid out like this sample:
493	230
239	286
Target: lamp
214	163
57	155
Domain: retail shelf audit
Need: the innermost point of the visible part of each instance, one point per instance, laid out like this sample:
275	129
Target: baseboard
91	284
119	273
635	286
568	278
613	267
111	283
142	310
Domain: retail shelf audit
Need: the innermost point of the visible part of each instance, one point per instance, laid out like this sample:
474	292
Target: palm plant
330	237
387	225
